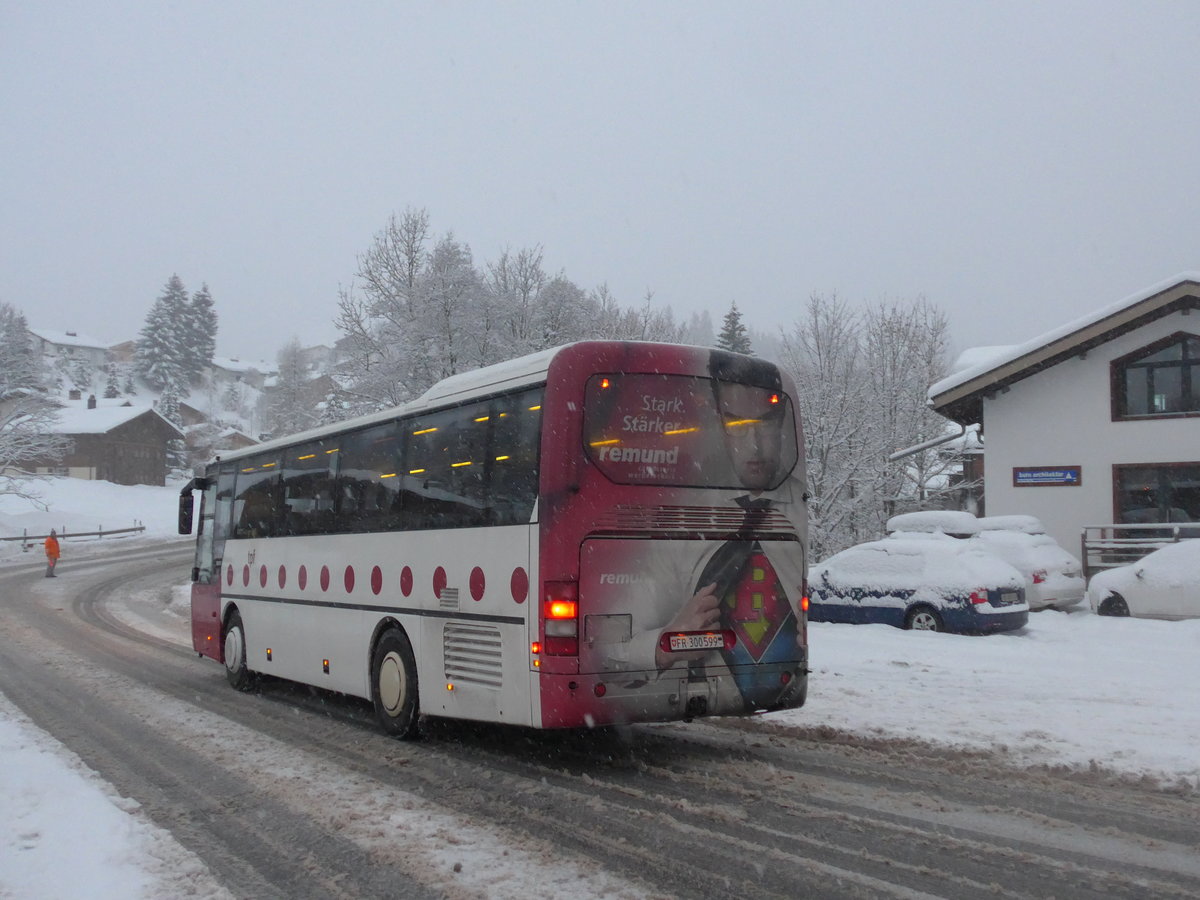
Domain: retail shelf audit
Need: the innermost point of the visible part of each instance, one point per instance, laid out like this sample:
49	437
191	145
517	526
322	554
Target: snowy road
294	793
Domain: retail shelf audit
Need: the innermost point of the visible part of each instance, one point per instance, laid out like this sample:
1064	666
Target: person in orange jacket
52	553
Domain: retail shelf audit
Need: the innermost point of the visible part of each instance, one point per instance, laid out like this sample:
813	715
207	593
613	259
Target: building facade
1097	422
123	444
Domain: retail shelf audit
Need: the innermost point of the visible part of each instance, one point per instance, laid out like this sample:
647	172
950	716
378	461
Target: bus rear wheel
234	650
394	685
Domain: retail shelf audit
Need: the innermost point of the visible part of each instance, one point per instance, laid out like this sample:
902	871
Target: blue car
932	584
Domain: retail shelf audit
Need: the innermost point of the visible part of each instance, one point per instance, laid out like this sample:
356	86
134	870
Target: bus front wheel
234	651
394	685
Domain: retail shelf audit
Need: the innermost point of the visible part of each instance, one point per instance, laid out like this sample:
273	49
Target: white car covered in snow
1053	577
1162	585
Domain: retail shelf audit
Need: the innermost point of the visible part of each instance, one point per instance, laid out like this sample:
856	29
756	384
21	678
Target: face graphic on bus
752	418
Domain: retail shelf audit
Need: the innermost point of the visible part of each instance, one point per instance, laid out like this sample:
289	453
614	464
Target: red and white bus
602	533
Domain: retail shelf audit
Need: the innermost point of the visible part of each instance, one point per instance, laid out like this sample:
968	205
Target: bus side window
368	479
516	438
444	469
257	498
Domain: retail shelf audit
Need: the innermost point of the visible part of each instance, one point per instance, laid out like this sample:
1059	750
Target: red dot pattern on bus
518	584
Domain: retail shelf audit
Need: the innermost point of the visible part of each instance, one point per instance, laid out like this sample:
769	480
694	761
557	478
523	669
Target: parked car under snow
1164	584
1053	577
931	585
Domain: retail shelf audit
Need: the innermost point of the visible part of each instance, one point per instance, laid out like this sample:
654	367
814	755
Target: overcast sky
1018	164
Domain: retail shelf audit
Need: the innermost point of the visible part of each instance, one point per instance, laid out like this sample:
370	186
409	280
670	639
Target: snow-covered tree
162	355
291	403
168	408
907	345
417	313
698	330
112	388
862	377
202	325
823	355
379	318
27	415
733	334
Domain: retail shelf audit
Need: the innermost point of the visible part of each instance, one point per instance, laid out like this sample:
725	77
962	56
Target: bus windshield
688	431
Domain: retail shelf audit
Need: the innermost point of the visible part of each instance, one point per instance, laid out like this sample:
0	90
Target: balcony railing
1107	546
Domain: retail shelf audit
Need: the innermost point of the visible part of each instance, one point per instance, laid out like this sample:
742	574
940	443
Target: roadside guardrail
31	540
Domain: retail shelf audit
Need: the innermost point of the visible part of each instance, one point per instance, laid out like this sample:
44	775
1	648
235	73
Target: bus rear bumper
592	701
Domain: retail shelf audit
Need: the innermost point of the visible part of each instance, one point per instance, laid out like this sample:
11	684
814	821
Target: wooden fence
30	540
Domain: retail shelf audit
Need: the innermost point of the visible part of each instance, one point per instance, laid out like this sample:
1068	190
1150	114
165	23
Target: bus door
215	506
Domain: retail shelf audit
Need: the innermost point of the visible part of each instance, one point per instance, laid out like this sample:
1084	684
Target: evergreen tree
27	415
161	354
292	403
733	333
168	408
111	390
202	321
22	366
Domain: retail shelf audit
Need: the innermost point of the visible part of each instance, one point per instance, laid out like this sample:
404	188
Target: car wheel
922	618
394	685
1114	605
233	648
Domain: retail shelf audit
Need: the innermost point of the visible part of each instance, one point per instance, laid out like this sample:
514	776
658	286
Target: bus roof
512	373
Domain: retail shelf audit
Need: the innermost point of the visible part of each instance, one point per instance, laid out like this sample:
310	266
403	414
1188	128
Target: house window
1157	492
1160	380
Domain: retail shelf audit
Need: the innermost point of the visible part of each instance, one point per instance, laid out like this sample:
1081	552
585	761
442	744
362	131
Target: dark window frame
1188	365
1163	467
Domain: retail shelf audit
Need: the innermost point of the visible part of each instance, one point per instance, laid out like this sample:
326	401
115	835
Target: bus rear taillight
560	609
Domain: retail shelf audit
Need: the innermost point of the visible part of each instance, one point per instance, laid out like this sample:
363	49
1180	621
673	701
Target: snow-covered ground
1069	690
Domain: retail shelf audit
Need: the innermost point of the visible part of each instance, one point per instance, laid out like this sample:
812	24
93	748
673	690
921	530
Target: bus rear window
688	431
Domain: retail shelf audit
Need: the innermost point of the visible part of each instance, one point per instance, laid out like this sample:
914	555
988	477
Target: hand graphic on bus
701	613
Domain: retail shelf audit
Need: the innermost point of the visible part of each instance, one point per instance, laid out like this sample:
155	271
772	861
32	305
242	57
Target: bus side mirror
185	513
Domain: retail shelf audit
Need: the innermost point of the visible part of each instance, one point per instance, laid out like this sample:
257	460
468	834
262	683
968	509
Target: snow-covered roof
68	338
976	357
957	396
233	364
101	420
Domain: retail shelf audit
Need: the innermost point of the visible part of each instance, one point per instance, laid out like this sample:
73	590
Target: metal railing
31	540
1107	546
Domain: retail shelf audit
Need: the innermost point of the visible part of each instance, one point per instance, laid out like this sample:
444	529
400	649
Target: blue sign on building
1047	476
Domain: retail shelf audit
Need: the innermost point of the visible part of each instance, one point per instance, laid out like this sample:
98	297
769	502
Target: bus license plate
697	642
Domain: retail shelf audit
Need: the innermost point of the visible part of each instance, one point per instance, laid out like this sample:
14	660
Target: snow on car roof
1025	524
942	566
947	521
